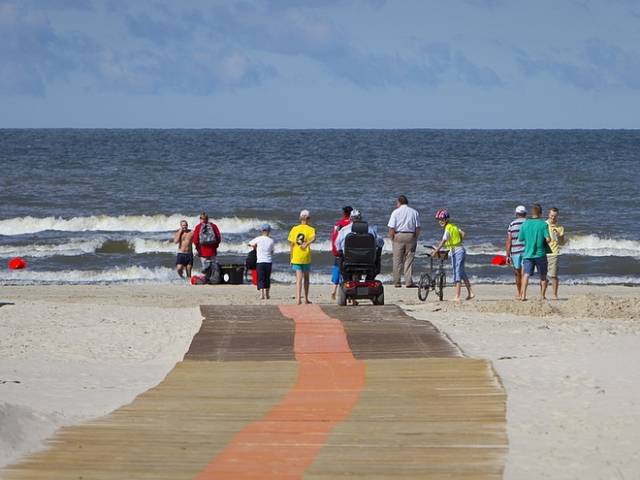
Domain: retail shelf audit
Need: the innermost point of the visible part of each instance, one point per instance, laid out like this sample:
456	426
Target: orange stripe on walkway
285	443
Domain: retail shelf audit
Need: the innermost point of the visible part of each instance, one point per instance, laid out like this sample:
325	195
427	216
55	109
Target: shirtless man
184	239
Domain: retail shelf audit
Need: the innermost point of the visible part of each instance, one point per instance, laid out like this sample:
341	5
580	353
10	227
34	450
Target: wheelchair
361	258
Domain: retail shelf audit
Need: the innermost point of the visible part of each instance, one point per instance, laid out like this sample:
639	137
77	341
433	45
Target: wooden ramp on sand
292	392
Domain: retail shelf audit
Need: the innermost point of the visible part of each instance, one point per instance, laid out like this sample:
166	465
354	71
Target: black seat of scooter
359	247
360	227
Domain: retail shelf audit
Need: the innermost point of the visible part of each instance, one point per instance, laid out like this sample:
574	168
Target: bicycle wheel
424	286
440	283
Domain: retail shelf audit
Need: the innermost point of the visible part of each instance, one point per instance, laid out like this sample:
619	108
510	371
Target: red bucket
499	260
17	263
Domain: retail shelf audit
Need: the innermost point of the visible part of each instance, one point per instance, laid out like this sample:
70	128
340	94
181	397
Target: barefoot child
300	238
452	239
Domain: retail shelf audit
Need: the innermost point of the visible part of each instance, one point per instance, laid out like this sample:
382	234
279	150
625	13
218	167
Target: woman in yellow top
452	239
300	238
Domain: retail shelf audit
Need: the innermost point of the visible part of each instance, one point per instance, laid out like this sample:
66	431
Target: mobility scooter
361	258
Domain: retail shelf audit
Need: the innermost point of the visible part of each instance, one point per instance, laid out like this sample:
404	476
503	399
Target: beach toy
17	263
198	280
499	260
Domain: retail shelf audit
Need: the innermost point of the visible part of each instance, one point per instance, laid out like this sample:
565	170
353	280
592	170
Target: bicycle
434	280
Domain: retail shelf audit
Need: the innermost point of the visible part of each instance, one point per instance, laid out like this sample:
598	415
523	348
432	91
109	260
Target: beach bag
251	261
208	237
214	275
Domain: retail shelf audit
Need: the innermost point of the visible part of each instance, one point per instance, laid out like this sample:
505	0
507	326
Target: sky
320	64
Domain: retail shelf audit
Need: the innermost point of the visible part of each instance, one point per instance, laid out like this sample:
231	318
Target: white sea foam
121	223
595	246
132	274
484	249
314	278
69	249
136	274
583	245
139	246
580	280
143	245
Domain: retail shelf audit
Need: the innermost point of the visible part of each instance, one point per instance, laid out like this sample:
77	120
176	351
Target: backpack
252	259
208	236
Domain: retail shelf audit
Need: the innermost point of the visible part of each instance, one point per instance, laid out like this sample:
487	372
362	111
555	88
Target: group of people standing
206	238
404	231
532	244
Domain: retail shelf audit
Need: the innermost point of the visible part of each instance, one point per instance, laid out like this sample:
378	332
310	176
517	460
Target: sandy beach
72	353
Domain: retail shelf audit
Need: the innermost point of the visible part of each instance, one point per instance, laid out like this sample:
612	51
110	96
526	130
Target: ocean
101	206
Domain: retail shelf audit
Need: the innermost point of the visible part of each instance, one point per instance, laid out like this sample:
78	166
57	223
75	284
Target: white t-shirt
264	248
404	219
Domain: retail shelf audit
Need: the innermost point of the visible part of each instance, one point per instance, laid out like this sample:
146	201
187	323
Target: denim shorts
538	263
516	261
335	274
457	262
301	267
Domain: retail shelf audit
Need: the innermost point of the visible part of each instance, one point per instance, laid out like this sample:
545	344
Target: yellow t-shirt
555	232
297	236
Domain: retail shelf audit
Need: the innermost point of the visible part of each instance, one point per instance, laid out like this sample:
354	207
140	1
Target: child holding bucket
452	239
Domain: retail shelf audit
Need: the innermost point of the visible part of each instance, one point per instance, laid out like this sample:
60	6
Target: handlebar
440	254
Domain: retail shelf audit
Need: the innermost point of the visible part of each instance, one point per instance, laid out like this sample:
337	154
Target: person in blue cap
264	246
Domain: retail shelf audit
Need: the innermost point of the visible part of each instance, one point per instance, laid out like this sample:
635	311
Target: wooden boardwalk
293	392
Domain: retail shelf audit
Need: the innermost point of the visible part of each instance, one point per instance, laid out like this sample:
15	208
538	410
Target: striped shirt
514	229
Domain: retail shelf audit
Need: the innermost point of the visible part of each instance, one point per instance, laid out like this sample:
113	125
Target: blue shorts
301	267
335	273
457	262
184	259
516	260
539	263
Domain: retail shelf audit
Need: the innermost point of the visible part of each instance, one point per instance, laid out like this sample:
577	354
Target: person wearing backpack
264	247
206	239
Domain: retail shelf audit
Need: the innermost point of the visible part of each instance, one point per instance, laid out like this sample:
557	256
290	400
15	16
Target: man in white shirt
404	230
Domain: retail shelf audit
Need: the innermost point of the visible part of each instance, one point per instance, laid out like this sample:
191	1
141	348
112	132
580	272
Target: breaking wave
69	249
121	223
582	245
595	246
133	274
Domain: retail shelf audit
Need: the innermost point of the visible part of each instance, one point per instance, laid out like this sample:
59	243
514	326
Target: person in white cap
264	246
514	248
300	238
